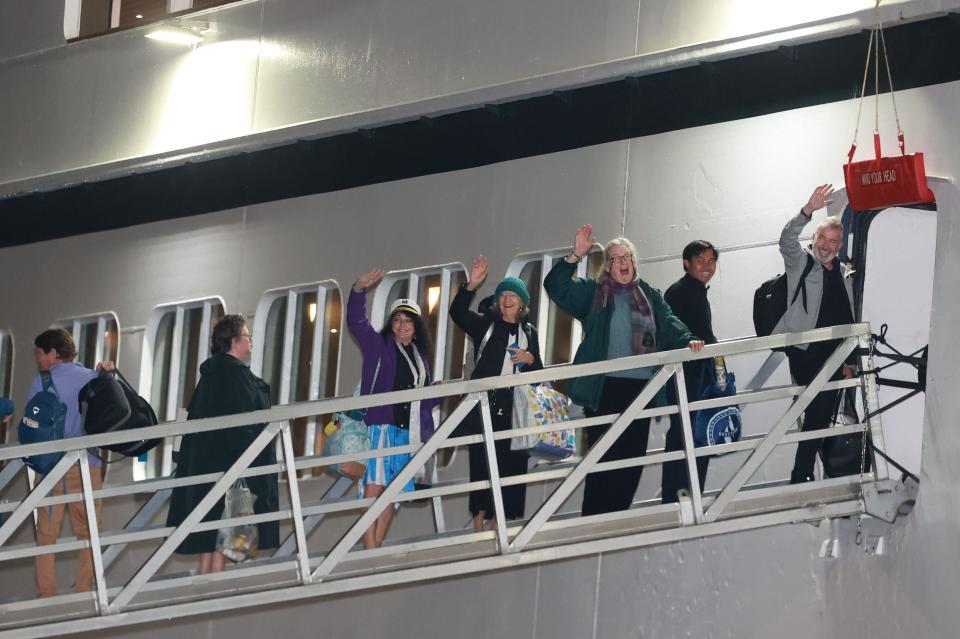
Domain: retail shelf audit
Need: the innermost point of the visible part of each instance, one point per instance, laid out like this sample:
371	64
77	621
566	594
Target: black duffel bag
109	403
842	455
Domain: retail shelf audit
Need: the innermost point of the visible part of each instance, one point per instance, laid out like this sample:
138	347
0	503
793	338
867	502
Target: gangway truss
302	570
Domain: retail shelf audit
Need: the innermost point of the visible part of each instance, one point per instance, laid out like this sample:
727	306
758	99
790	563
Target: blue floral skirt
383	470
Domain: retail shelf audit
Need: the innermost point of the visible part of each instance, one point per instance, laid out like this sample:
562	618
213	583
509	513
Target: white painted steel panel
342	56
31	26
667	24
308	62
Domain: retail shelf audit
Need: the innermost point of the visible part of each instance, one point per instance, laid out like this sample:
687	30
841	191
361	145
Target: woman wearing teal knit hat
513	285
504	342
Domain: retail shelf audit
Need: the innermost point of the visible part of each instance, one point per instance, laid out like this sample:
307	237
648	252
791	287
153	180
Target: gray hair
621	241
827	222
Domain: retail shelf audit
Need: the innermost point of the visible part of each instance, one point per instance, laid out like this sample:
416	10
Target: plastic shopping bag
238	543
539	405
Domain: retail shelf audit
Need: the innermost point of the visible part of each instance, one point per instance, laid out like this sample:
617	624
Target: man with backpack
55	351
822	298
687	298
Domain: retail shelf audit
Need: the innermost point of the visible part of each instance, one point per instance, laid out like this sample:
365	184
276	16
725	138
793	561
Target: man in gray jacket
827	302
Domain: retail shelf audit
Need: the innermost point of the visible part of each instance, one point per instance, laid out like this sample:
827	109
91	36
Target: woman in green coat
621	316
226	387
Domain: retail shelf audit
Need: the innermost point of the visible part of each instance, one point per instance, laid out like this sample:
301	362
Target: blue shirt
68	378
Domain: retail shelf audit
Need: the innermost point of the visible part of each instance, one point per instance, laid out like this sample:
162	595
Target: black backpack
109	403
770	299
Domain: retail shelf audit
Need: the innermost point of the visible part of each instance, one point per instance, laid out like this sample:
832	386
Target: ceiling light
183	33
433	296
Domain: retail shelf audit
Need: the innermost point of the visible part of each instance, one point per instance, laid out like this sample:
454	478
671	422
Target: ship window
559	334
86	18
433	289
97	337
176	342
297	350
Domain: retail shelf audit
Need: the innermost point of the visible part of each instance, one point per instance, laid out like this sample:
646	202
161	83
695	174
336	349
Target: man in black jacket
688	299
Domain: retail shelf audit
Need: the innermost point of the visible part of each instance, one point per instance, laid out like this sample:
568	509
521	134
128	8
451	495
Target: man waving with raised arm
825	299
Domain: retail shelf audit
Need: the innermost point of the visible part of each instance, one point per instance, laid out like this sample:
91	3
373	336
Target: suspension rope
893	95
863	90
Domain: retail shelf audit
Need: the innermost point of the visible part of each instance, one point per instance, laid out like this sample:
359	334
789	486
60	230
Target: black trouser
612	490
675	475
509	462
804	366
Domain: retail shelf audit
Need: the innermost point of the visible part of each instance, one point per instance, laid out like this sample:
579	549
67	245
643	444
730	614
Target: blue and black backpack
722	425
43	420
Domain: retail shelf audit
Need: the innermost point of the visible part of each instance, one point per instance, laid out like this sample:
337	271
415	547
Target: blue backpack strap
47	379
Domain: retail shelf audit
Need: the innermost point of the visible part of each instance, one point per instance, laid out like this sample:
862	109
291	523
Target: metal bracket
888	499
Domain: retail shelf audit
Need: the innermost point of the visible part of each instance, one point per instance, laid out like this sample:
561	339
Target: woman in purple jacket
397	358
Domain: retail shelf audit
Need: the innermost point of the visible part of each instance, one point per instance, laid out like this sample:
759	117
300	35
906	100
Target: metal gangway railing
314	571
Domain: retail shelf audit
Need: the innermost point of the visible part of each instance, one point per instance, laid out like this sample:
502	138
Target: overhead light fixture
433	296
183	32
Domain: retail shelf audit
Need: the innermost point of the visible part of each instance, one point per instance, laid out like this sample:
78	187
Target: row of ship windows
297	340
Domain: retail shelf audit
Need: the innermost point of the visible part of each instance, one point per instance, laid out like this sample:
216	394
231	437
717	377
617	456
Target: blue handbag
722	425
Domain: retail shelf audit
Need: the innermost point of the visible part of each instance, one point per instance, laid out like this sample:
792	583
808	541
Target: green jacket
575	296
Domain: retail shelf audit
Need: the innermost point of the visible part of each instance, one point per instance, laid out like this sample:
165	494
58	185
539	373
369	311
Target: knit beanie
514	285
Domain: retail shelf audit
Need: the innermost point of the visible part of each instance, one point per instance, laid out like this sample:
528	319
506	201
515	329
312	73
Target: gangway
302	570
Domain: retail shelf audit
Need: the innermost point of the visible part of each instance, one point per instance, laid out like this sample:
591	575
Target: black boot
797	477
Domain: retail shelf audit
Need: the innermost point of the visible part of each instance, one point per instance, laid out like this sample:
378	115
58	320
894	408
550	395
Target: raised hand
583	240
366	281
106	366
478	273
819	199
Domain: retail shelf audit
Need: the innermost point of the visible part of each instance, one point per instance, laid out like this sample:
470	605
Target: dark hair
57	339
697	247
421	336
226	330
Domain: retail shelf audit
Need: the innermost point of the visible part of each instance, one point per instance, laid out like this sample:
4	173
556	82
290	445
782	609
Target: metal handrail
308	462
668	363
341	404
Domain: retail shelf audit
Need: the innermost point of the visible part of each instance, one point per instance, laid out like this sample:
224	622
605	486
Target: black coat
226	387
687	298
490	361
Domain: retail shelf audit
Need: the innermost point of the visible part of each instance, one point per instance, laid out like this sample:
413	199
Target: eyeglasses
249	335
620	259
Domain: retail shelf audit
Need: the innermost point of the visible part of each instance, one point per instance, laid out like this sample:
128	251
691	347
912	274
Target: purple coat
376	347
